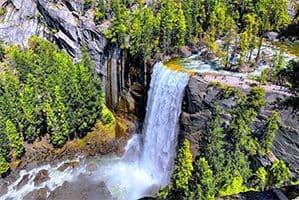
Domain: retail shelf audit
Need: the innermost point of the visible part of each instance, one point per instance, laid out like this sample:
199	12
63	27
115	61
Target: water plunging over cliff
148	160
160	129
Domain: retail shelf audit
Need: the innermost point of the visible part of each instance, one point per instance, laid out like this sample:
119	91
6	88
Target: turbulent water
148	160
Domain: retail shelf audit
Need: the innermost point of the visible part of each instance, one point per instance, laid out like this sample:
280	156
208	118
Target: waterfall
161	122
160	129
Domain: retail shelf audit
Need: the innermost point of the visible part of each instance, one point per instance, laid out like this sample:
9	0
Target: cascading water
149	157
161	122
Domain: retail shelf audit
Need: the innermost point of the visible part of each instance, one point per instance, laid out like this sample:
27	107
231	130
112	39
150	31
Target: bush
107	116
3	11
4	166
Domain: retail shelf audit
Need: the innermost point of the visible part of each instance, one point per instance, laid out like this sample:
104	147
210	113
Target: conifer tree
203	181
15	139
272	127
183	169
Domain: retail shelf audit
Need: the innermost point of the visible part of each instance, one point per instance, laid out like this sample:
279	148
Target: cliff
196	116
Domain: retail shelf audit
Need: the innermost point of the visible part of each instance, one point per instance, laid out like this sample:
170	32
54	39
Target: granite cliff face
65	23
197	110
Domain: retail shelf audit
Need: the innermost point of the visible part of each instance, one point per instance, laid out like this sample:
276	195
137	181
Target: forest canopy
164	26
43	92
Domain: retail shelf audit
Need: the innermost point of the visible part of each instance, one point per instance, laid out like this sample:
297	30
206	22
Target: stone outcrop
197	109
41	176
65	23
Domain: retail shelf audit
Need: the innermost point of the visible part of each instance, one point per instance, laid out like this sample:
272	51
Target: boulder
23	181
40	194
91	167
41	176
185	52
62	192
3	187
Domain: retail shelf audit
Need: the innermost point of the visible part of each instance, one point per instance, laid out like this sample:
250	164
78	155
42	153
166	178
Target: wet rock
91	167
83	189
3	187
41	176
24	181
71	164
40	194
62	192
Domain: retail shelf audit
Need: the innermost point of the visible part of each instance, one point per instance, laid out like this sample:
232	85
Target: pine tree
15	139
215	146
183	170
31	108
271	129
279	173
202	181
180	27
261	178
120	23
168	17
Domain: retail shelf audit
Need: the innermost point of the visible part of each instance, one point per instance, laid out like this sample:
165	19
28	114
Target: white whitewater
149	157
161	122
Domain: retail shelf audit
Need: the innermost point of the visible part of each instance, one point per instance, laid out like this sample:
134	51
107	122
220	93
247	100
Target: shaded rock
62	192
83	189
24	181
41	176
127	104
185	52
40	194
3	187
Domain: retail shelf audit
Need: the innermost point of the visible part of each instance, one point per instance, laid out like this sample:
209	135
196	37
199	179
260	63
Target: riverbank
100	141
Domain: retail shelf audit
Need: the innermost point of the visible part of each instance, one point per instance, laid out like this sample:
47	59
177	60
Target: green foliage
3	11
144	28
46	94
230	149
166	25
255	98
279	174
107	116
261	178
4	166
203	181
14	138
120	24
271	129
183	169
215	145
228	90
236	187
